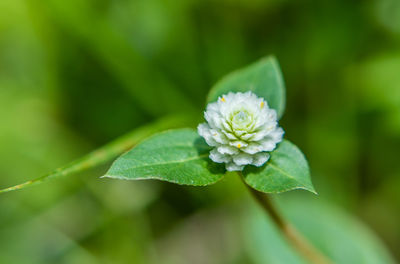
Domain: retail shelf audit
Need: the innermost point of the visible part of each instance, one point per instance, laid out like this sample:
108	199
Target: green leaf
264	78
177	156
107	152
286	170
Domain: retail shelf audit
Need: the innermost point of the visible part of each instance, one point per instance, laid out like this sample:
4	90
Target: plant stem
300	243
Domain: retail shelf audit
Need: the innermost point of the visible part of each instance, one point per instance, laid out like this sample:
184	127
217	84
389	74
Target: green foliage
182	156
286	170
121	59
177	156
263	78
77	74
107	152
343	238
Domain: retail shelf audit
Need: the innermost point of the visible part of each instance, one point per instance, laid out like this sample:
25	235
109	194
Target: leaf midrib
165	163
196	146
284	172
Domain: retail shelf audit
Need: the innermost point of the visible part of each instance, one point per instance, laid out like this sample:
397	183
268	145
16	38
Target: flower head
242	129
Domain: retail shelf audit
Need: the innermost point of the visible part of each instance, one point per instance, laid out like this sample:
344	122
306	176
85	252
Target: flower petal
226	149
252	148
218	157
205	131
260	159
233	167
238	144
219	137
243	159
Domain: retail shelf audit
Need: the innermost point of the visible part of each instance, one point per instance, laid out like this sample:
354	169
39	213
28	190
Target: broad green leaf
177	156
263	78
286	170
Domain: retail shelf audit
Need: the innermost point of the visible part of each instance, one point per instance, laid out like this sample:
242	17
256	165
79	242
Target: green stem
107	152
292	235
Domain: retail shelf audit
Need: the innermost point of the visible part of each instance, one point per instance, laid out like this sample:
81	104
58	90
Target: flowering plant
241	134
241	129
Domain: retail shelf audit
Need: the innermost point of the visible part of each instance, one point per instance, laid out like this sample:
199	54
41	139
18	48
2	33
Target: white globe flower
242	129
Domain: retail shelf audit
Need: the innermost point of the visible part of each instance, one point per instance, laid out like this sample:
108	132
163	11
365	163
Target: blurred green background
76	74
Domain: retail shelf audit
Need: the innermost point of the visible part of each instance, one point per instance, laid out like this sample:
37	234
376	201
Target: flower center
241	118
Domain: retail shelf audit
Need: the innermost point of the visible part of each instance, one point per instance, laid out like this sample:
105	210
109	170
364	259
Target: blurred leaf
286	170
377	81
264	78
341	236
177	156
148	85
387	13
344	239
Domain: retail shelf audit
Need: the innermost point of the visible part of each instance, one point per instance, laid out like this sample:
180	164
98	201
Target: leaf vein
165	163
